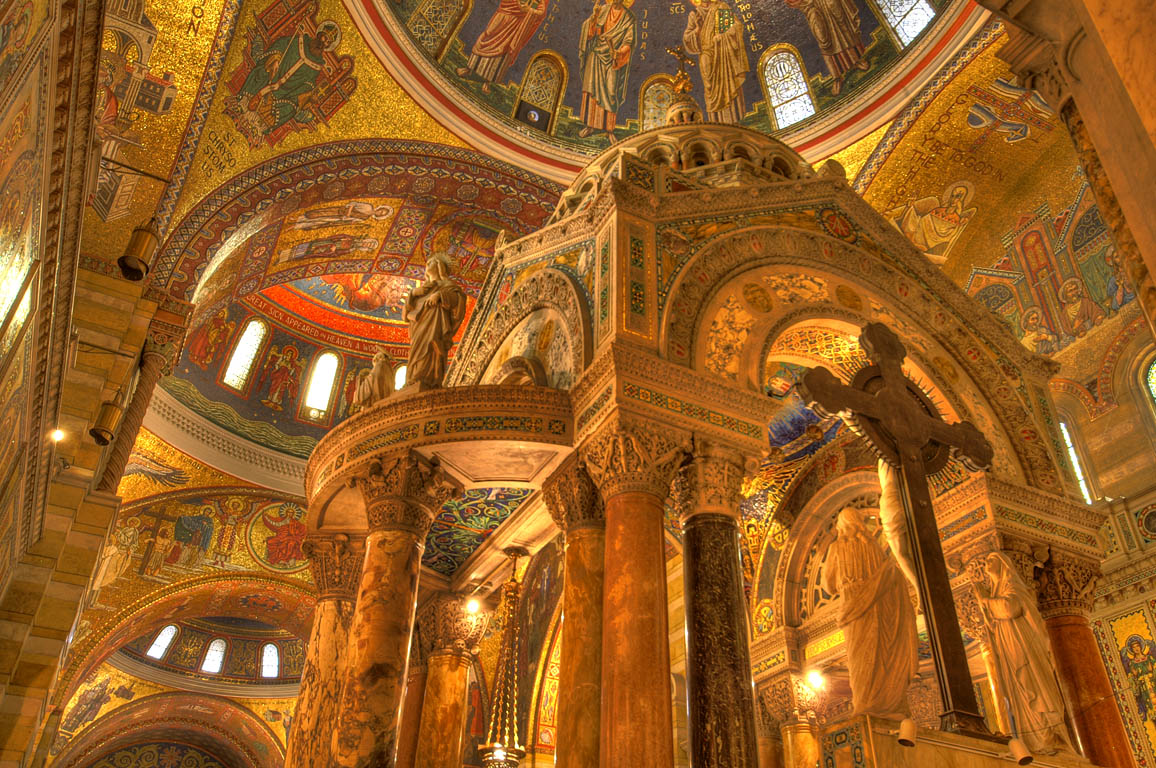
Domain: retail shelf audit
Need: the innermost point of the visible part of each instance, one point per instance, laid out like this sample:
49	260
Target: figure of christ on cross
903	427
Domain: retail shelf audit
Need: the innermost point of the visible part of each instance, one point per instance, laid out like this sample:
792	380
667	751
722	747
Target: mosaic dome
559	82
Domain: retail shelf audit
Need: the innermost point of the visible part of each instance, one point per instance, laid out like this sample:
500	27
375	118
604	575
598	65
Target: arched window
162	642
654	100
270	661
541	91
907	18
1150	380
785	85
399	376
1077	465
214	657
240	366
319	393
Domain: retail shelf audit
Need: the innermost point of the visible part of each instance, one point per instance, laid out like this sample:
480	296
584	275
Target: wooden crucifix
904	428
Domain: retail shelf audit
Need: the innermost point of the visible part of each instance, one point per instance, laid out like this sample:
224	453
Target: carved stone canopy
628	454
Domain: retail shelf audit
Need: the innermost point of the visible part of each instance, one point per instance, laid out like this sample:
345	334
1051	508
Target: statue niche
876	616
434	310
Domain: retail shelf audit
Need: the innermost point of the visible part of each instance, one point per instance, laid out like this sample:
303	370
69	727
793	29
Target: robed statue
374	384
434	310
1019	643
876	616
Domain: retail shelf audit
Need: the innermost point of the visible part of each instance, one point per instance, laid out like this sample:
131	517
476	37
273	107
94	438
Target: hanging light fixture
138	254
107	420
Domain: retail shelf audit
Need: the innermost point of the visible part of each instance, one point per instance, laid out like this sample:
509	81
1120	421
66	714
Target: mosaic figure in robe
280	86
715	34
875	614
606	44
835	26
513	24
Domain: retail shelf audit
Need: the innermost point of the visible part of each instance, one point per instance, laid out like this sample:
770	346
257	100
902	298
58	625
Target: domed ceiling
570	78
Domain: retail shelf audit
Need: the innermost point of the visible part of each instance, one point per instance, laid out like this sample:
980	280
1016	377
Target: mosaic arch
210	725
523	76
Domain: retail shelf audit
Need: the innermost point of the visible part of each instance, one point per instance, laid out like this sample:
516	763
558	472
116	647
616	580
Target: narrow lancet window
240	366
214	657
270	660
162	642
907	18
319	395
1081	478
785	83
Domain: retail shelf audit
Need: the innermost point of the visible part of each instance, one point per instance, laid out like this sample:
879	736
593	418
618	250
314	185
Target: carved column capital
572	498
628	454
1066	584
446	626
335	560
711	482
404	491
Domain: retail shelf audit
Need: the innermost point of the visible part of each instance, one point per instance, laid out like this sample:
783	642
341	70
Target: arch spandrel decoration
985	352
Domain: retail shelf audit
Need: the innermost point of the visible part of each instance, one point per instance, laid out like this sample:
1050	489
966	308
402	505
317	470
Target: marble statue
374	384
894	521
434	310
876	616
1023	660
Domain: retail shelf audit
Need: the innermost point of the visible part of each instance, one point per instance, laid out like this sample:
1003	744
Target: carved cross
903	426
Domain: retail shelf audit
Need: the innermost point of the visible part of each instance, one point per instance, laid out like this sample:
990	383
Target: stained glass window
907	17
240	365
399	376
1152	381
162	642
214	657
657	94
270	661
1075	459
320	391
788	95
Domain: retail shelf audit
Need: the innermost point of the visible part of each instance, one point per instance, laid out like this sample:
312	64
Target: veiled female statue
434	310
876	616
1024	663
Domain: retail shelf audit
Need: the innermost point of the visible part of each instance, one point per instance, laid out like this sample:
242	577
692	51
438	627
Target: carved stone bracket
632	455
403	491
335	562
1067	585
572	498
711	481
446	626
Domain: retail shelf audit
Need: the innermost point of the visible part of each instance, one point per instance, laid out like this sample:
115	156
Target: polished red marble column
632	465
1065	604
335	562
577	508
402	493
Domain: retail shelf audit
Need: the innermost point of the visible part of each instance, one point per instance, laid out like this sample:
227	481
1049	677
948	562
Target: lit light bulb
815	680
473	606
57	435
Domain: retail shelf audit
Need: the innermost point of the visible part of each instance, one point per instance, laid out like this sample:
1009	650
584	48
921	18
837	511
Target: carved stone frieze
1067	585
335	562
403	491
572	499
628	454
711	482
446	626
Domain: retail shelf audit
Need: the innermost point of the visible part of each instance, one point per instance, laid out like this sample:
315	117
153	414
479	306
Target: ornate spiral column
503	747
335	562
155	359
718	658
402	493
632	464
448	633
577	508
1065	587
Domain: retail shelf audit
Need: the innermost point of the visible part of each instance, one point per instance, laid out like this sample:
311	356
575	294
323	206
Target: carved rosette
446	626
1066	585
572	498
404	491
627	455
335	562
711	482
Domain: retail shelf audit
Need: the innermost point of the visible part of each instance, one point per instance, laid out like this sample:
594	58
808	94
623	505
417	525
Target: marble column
448	633
402	493
578	510
335	562
800	745
632	464
1065	587
407	731
718	660
154	360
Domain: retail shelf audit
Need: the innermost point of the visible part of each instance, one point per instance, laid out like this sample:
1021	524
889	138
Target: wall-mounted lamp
906	735
107	420
1019	752
138	254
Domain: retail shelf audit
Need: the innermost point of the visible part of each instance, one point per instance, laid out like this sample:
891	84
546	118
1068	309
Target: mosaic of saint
592	73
